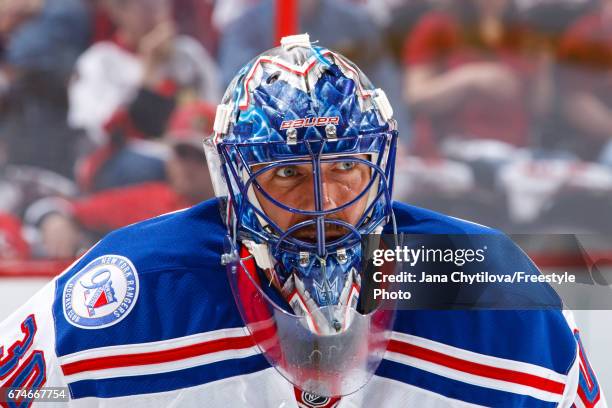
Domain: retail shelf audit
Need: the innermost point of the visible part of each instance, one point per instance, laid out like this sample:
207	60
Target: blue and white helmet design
293	105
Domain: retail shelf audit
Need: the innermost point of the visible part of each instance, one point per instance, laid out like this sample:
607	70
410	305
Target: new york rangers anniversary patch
102	293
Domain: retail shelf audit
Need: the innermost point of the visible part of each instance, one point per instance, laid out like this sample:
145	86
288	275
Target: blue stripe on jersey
456	389
154	383
526	336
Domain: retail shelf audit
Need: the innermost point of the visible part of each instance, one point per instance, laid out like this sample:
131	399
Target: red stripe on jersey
585	400
588	387
478	369
157	357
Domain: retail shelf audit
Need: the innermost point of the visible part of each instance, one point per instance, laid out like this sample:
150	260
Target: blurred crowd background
504	107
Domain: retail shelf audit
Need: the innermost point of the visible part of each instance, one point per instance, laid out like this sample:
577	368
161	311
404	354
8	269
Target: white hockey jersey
146	319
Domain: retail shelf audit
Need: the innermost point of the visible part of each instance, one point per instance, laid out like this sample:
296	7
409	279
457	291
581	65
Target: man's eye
346	165
287	171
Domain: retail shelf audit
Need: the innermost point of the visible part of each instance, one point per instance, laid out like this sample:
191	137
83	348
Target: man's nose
330	201
328	198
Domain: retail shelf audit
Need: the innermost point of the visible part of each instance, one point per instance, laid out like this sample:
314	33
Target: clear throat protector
330	351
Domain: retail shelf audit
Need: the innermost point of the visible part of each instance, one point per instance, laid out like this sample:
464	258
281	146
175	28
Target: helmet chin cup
327	363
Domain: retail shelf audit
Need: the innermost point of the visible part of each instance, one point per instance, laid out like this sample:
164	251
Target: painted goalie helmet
302	106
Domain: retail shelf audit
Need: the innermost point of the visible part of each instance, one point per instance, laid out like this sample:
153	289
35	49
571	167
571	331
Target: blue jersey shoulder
501	256
162	276
415	220
188	238
539	337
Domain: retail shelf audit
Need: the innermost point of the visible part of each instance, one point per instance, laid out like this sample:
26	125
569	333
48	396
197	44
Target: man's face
293	186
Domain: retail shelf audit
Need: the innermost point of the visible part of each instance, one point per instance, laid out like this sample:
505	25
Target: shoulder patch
101	294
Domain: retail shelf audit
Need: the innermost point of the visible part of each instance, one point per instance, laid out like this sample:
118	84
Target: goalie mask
302	157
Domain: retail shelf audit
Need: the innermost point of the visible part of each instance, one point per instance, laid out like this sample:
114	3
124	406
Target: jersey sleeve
584	391
27	348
